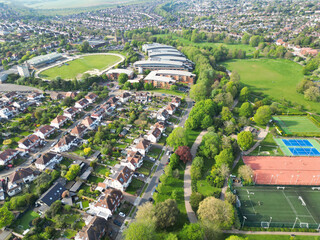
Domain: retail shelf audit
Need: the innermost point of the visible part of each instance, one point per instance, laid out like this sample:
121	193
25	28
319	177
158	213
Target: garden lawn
192	136
26	219
207	190
66	162
134	186
154	152
276	78
85	204
74	69
101	170
145	168
70	233
94	179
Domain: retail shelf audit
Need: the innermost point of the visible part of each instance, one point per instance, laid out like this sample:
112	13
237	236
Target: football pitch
279	207
296	124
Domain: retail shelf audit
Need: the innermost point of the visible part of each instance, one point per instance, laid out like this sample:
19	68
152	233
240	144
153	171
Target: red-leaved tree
184	153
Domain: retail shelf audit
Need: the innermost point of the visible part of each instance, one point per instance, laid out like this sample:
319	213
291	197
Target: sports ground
299	147
74	69
296	124
279	207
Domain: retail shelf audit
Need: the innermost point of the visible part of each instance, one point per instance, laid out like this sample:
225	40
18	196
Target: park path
187	180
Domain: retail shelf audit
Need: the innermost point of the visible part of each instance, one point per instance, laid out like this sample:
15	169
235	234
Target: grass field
275	237
76	68
296	124
260	204
276	78
26	219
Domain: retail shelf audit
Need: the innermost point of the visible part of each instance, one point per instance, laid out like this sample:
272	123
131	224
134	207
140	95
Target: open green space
204	187
274	237
296	125
99	169
192	136
276	78
268	147
259	205
74	69
26	219
134	186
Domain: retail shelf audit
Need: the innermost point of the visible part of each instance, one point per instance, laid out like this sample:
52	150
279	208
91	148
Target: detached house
142	147
91	97
71	112
176	101
90	122
45	131
35	96
78	131
18	178
154	135
113	101
99	114
6	113
162	115
120	178
107	203
171	109
29	143
160	125
59	121
7	156
124	97
141	97
134	160
82	103
48	160
65	144
95	230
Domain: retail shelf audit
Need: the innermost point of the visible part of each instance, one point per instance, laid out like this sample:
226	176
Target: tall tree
167	214
245	140
262	115
178	137
6	217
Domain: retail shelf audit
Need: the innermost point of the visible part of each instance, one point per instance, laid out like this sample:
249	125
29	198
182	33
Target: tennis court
296	124
299	147
264	206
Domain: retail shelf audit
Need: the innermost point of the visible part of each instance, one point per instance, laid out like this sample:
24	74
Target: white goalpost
302	201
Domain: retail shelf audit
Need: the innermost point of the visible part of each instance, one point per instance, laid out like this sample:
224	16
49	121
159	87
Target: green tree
210	145
192	231
72	172
196	168
138	230
233	237
262	115
244	94
174	161
195	200
224	157
226	114
6	217
256	54
245	140
246	173
246	110
178	137
173	87
166	213
123	78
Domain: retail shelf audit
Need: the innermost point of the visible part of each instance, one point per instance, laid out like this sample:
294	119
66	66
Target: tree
262	115
256	54
244	94
312	94
226	114
166	213
174	161
195	200
192	231
216	212
206	122
146	214
233	237
210	145
123	78
245	140
73	172
184	154
224	157
87	151
246	173
173	87
138	230
196	168
246	110
6	217
230	198
178	137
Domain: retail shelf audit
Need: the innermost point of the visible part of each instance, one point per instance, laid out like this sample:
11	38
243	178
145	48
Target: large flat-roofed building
165	78
113	74
168	54
160	65
154	46
23	71
163	50
42	60
182	59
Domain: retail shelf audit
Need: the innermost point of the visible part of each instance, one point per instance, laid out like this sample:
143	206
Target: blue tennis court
304	151
297	143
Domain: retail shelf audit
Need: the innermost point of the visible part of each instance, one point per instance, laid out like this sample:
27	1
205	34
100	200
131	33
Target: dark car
118	223
150	199
33	160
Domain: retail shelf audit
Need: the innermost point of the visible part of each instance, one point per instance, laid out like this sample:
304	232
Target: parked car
141	175
168	152
121	214
136	174
118	223
150	199
33	160
152	159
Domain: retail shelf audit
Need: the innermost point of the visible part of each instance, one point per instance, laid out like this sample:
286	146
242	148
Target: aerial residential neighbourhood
149	120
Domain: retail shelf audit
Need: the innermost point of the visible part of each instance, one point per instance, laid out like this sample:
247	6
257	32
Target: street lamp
244	219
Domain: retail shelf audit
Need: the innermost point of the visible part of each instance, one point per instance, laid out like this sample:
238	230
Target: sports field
277	207
276	78
296	124
299	147
74	69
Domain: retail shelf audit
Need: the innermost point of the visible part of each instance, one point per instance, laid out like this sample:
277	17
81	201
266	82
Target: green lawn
94	179
101	170
145	168
69	233
268	147
134	186
26	219
192	136
276	78
207	190
85	204
274	237
296	124
76	68
154	152
66	162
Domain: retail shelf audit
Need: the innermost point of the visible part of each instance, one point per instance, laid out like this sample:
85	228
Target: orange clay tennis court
285	170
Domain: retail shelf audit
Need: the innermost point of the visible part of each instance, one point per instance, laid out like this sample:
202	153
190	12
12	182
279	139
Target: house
91	97
78	131
29	143
134	160
18	178
113	74
48	160
141	97
2	196
113	101
160	125
124	97
53	194
71	112
7	156
56	96
90	122
176	101
95	230
45	131
71	94
65	143
59	121
154	135
99	114
171	109
82	103
35	96
6	113
8	97
120	178
107	203
143	146
22	105
162	115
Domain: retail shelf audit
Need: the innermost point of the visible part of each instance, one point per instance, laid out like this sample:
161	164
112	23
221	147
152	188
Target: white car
121	214
152	159
168	152
141	175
